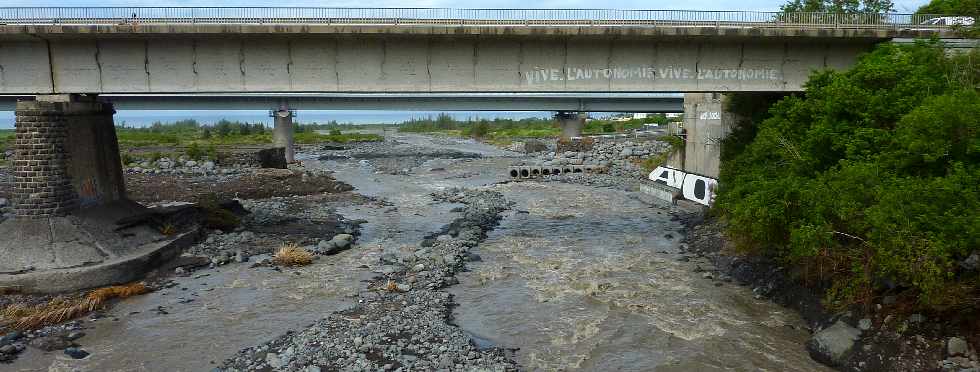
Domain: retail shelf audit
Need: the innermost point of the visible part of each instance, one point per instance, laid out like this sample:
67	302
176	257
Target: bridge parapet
456	17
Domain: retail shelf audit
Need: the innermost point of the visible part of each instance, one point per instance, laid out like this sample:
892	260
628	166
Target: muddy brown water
575	278
589	279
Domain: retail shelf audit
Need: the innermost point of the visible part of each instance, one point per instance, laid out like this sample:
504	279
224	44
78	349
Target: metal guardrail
451	17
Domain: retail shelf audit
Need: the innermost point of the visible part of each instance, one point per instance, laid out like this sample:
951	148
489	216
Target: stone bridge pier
66	156
73	227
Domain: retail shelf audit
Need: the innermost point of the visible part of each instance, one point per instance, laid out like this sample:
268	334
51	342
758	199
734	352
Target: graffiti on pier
88	192
693	187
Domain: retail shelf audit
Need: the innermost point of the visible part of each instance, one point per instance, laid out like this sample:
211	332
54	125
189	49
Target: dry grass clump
168	229
391	286
60	309
291	254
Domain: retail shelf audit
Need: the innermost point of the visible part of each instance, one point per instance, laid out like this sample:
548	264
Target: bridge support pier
282	133
571	124
706	124
66	156
69	202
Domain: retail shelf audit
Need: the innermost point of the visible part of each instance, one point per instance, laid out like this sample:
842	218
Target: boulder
956	346
326	247
533	146
834	344
864	324
972	262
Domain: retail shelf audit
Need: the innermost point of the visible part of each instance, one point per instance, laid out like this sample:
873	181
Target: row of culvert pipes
534	171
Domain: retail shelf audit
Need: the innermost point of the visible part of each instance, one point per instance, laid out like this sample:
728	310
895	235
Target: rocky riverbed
428	256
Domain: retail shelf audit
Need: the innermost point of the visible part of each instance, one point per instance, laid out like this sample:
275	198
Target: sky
901	6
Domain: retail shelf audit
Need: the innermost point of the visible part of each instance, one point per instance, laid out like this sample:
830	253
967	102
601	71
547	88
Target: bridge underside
403	102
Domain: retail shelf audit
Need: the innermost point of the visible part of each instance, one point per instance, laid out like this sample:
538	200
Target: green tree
839	6
869	177
480	130
952	7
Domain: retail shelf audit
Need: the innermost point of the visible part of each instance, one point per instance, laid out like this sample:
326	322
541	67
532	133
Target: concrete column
571	124
67	156
282	134
706	124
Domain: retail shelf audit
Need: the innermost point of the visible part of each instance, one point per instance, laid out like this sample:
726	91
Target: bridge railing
452	17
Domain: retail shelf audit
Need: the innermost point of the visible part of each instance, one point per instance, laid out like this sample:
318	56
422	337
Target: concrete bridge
222	50
64	66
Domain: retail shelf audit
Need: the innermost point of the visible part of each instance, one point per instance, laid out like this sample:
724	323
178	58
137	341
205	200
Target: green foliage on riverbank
869	181
6	138
6	141
482	128
226	133
502	130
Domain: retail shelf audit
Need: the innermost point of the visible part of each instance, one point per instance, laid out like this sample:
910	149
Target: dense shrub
871	178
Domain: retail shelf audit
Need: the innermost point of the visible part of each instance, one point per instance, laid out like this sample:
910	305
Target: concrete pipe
577	169
514	172
556	171
546	171
535	172
566	170
525	172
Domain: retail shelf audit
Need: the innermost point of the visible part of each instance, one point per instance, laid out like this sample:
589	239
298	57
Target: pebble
864	324
76	353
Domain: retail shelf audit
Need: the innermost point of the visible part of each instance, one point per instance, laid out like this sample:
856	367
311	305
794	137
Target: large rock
957	347
533	146
972	262
833	345
272	158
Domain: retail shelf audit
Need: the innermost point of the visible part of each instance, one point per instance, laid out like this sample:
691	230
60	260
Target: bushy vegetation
952	7
839	6
501	130
204	137
870	181
6	140
482	128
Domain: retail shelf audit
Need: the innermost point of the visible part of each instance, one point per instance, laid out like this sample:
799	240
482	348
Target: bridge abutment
282	133
571	124
706	124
